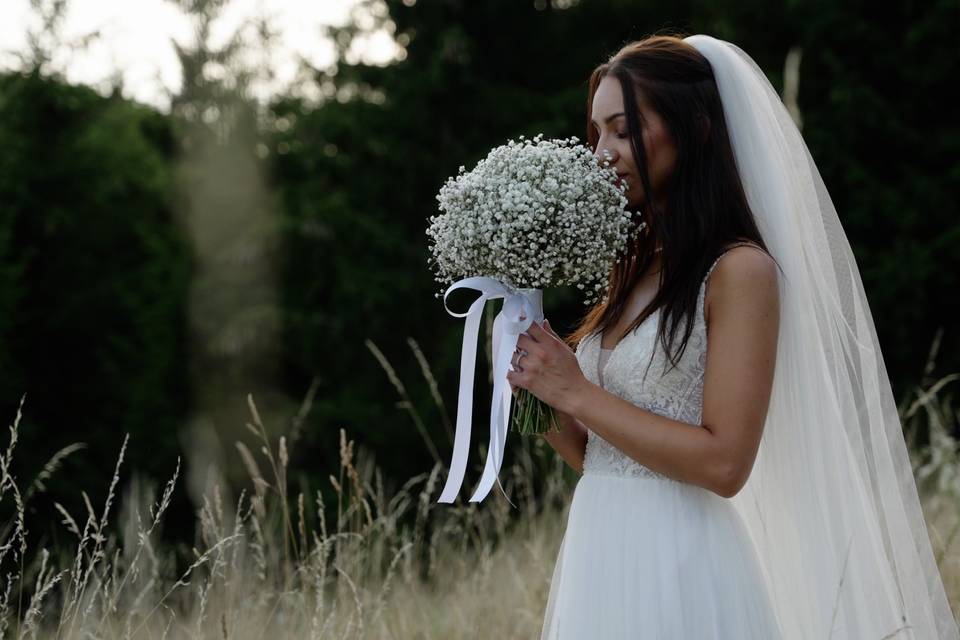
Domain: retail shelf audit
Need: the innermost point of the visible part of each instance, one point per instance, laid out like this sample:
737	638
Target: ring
522	353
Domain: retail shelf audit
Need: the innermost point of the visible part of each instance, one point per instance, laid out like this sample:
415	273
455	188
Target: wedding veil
831	503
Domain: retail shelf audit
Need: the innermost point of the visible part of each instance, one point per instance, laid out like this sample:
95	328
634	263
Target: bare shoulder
745	275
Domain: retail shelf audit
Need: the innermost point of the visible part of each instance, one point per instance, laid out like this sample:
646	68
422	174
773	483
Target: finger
527	343
545	341
527	332
555	335
537	332
535	351
549	329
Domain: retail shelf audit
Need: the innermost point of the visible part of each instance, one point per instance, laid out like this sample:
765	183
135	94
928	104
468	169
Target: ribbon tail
499	414
496	337
505	422
468	363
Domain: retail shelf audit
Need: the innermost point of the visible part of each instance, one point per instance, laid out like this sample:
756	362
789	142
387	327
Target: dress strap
722	253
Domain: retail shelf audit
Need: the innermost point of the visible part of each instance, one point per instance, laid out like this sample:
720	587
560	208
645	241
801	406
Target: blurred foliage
359	173
232	218
94	276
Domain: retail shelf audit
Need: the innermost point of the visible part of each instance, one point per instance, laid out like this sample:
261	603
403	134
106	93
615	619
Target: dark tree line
95	273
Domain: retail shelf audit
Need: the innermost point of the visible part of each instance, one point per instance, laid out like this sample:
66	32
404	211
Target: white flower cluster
533	214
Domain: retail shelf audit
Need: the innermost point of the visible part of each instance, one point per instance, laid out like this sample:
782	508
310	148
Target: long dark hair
706	208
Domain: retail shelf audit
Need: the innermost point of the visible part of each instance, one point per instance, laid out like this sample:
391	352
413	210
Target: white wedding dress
643	556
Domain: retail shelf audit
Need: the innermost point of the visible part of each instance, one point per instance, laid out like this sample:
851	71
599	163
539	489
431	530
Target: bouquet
532	214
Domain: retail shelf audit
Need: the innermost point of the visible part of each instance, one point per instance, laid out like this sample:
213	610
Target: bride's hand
549	370
513	387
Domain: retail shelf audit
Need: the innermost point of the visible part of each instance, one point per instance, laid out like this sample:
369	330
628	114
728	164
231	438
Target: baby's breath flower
534	213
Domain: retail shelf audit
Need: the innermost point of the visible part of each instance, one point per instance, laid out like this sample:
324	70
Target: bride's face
611	125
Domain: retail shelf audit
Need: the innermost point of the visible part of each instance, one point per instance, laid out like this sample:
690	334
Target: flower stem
531	415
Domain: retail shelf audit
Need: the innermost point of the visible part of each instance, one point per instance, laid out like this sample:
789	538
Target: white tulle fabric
644	556
831	505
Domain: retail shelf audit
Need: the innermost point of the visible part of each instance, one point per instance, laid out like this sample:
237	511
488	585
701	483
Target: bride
744	472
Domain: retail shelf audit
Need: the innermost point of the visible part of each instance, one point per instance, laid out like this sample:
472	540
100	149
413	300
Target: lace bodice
676	393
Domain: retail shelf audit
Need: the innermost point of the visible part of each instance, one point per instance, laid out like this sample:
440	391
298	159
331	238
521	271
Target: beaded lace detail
674	392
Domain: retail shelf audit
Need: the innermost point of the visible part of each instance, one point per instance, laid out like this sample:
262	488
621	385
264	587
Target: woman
744	469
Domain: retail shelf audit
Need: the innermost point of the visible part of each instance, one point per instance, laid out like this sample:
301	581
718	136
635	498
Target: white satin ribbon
507	327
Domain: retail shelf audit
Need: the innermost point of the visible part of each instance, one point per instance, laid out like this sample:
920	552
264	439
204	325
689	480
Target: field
392	564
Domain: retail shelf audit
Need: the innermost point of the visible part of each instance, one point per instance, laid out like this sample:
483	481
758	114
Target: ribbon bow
507	327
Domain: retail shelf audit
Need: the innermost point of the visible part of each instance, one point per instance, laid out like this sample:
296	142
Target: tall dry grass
391	564
929	415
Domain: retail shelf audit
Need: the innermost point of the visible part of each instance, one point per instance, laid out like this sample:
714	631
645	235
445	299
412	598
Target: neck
656	263
659	247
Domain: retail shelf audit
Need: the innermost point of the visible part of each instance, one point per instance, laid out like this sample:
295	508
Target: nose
613	156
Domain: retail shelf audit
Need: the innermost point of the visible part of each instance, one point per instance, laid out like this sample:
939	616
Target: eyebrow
608	118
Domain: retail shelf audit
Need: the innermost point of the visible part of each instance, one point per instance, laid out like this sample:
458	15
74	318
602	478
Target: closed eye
621	136
609	118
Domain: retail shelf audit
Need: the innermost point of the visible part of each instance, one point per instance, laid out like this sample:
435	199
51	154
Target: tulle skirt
655	559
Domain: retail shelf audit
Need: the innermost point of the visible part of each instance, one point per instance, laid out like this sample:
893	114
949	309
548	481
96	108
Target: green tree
359	171
94	279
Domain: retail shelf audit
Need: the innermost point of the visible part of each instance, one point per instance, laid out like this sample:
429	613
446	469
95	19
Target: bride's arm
743	324
570	442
